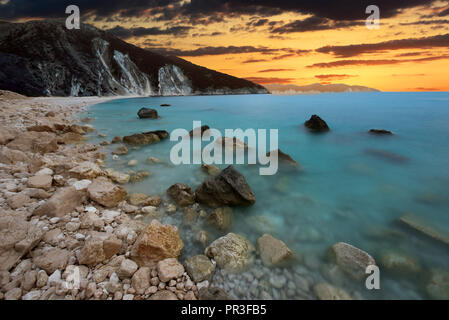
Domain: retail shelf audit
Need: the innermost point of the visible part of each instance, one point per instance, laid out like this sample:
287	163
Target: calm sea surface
349	190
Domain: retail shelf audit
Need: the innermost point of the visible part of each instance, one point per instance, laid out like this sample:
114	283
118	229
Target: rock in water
273	252
146	138
229	188
104	192
325	291
381	132
233	252
284	158
438	286
317	124
199	268
351	259
156	243
425	227
182	194
399	262
221	218
146	113
199	131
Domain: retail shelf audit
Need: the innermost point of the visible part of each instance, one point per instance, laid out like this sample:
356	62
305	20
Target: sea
352	186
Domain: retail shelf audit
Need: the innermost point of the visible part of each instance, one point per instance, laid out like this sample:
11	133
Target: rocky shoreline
70	231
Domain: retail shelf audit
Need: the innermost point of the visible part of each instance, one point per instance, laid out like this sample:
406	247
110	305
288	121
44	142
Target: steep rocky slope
44	58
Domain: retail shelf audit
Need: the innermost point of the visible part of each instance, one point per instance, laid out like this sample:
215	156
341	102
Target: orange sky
420	68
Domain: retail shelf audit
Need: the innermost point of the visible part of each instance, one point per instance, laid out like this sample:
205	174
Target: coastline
62	215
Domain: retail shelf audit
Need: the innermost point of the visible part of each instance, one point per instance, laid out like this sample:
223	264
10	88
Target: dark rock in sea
212	293
316	124
229	188
203	129
182	194
284	158
387	155
221	218
380	132
146	137
147	113
165	105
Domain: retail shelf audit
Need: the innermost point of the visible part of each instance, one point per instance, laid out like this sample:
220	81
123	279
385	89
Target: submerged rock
438	285
229	188
380	132
387	155
199	268
221	218
147	113
284	158
273	252
156	243
424	227
120	151
399	263
146	137
213	293
325	291
351	259
233	252
316	124
210	169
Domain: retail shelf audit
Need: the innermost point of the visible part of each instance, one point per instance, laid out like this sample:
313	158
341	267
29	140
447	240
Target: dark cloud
314	24
262	80
125	33
104	8
439	41
254	61
198	10
425	22
373	62
211	51
275	70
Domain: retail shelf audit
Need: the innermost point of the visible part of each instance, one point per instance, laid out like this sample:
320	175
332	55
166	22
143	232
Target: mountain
43	58
316	88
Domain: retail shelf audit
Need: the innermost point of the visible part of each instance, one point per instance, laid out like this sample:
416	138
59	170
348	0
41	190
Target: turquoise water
344	192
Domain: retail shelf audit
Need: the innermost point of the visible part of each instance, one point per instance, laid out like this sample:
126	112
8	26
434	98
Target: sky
285	41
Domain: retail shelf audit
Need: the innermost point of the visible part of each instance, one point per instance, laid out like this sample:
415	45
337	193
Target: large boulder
40	142
104	192
229	188
11	156
147	113
146	137
17	238
181	194
232	252
63	201
169	269
6	135
316	124
199	268
351	259
273	252
156	243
